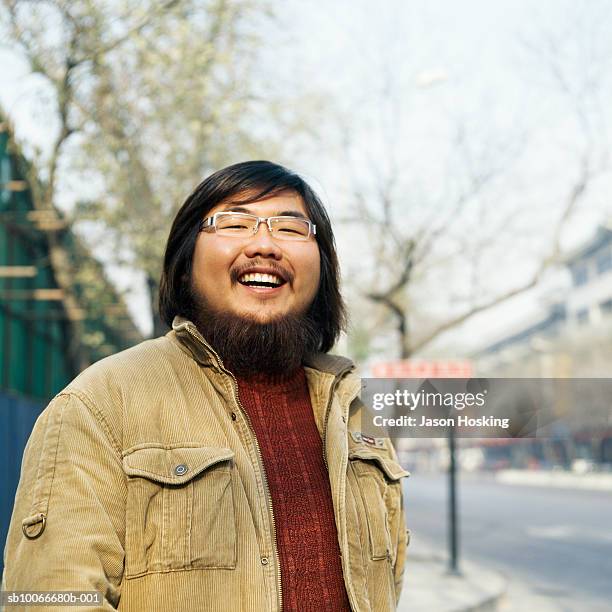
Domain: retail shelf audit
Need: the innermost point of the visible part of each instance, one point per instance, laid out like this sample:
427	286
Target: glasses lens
290	228
235	224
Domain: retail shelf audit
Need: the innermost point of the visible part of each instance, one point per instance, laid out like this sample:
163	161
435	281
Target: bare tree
147	100
62	64
404	239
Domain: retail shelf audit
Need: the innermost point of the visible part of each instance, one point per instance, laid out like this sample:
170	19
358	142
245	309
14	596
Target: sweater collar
276	383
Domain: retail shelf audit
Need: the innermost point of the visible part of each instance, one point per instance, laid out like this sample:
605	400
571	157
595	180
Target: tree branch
577	192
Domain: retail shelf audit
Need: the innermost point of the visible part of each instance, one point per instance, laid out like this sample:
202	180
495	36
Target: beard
249	347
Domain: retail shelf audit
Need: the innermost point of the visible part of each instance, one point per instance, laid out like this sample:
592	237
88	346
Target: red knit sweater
311	571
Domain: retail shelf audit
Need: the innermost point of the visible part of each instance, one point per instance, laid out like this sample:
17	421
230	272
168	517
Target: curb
488	605
429	587
561	480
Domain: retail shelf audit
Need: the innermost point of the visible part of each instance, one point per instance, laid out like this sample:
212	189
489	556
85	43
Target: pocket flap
392	469
173	465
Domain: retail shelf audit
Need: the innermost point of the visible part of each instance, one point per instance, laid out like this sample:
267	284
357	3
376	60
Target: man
220	467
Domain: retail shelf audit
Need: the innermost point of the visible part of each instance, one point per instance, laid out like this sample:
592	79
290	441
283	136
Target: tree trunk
404	336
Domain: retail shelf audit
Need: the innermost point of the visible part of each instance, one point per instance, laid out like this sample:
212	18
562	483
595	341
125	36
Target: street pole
452	515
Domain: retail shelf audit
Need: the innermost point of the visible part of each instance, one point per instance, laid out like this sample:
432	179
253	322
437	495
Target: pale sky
400	80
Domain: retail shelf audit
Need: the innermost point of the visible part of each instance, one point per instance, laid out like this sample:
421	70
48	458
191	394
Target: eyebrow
285	213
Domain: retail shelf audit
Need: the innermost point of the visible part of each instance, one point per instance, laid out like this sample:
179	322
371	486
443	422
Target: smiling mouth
257	279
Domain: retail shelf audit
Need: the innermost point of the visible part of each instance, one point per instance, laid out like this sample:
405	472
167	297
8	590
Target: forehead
284	203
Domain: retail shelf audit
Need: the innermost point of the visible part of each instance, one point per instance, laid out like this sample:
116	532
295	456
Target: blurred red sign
423	368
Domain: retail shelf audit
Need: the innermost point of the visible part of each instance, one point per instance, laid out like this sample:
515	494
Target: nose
262	244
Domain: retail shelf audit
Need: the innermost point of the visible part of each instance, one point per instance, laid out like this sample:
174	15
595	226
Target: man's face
220	264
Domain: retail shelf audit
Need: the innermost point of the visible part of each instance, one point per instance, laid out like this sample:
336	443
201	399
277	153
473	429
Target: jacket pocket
378	481
180	509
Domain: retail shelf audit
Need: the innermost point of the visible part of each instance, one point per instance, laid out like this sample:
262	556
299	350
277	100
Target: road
553	545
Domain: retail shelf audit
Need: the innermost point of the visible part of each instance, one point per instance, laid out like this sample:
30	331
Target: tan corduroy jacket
143	480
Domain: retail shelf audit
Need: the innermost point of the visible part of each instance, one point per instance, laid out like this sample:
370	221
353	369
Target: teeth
257	277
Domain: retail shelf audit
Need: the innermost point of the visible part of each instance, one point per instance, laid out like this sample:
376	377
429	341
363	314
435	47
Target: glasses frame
211	222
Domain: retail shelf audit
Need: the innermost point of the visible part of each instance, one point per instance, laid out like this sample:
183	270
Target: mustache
238	271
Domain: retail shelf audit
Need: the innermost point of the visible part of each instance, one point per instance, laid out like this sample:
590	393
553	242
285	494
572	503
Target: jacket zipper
267	488
279	584
351	595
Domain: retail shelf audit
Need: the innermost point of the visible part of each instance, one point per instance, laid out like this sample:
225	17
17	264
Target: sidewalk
428	587
560	479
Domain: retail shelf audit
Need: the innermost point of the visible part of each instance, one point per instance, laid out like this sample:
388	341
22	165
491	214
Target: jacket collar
190	338
330	364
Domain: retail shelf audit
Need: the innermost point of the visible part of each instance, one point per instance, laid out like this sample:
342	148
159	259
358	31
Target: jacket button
180	469
234	417
265	560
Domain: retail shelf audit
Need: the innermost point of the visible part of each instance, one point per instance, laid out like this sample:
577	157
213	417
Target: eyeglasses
242	225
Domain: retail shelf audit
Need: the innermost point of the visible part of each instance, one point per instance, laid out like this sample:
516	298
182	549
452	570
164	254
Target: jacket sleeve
67	529
402	537
400	559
